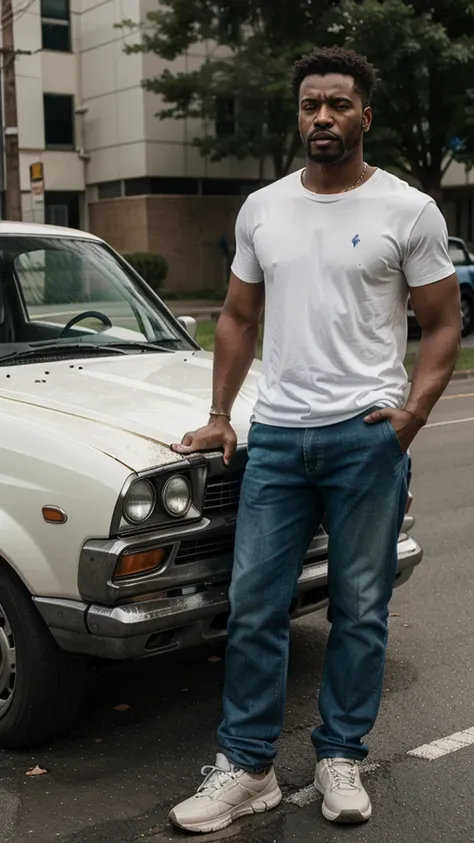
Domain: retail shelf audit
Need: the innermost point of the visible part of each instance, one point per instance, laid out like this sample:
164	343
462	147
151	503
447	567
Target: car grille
194	550
222	494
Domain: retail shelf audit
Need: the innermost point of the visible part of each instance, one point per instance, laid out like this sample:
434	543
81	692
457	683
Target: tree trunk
278	167
284	157
431	184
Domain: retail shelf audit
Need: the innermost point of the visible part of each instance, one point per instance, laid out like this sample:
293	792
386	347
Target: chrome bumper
198	614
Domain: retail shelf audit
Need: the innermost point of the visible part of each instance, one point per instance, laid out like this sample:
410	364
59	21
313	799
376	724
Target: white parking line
303	797
443	746
307	795
451	421
457	396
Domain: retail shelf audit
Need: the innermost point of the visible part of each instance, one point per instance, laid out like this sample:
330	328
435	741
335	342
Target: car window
59	285
61	278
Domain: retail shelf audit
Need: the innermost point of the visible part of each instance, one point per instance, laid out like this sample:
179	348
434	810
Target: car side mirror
189	324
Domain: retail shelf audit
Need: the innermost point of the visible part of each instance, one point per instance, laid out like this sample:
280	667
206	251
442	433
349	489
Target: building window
225	116
59	121
110	190
55	24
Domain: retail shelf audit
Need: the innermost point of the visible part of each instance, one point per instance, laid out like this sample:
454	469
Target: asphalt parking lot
114	779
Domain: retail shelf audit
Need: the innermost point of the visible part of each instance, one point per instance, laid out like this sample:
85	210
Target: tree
423	50
242	98
424	103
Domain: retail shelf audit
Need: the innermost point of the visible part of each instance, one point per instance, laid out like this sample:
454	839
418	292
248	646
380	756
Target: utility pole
12	153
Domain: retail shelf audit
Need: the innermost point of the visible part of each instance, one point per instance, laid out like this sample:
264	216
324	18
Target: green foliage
423	107
423	50
243	89
153	268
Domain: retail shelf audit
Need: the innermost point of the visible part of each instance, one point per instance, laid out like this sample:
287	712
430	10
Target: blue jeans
356	474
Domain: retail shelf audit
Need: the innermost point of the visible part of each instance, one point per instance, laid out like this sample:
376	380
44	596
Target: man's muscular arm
438	311
435	298
235	347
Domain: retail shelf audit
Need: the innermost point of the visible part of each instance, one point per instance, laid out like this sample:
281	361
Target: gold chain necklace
364	170
346	189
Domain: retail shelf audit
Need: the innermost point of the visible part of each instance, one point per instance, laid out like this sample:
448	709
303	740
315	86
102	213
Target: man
335	248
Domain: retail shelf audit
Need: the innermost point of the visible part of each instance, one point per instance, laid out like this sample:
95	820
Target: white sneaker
226	794
345	798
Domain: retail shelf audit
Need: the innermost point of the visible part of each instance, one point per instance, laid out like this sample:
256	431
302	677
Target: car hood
131	408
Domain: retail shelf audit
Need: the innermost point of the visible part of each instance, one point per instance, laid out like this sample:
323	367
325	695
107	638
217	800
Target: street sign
37	182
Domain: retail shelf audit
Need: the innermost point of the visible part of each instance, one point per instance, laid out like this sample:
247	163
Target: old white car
111	545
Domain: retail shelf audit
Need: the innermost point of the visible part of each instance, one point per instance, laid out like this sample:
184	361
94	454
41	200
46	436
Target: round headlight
139	502
176	496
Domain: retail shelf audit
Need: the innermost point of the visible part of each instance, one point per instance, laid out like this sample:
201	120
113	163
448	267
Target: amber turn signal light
130	565
54	515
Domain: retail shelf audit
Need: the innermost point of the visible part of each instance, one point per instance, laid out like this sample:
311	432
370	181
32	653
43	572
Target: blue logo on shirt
355	240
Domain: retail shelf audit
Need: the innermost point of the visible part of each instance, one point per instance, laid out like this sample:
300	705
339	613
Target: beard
336	152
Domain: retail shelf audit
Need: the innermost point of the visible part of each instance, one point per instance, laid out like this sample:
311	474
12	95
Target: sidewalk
200	309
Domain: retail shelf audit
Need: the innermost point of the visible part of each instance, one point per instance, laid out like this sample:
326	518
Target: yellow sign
37	182
36	171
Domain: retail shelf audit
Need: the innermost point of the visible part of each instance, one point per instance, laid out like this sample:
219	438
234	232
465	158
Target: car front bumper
144	627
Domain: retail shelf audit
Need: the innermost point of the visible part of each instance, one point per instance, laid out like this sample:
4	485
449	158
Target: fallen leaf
214	659
394	615
121	707
36	771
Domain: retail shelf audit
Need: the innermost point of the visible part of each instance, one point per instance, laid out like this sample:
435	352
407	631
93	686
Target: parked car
111	545
463	259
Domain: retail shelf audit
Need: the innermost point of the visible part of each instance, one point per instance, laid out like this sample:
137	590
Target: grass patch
206	331
464	362
205	336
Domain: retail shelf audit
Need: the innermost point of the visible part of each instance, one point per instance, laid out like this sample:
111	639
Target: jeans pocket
392	435
252	434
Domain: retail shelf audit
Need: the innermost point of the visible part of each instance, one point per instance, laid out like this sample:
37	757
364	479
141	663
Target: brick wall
185	229
122	222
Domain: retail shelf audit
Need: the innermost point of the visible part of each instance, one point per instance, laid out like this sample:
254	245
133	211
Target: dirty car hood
131	408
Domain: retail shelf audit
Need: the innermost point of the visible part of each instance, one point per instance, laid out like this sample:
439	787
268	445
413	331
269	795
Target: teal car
462	256
463	259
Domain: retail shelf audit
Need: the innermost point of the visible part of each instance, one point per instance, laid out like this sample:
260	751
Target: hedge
153	268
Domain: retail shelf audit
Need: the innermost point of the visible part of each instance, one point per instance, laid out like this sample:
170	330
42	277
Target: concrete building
110	165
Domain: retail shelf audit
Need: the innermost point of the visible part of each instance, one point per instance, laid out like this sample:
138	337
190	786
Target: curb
200	314
462	375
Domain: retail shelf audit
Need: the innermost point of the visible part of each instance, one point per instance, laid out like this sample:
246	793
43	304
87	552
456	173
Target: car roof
25	228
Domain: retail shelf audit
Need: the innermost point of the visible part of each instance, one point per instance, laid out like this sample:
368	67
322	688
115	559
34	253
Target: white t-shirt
337	269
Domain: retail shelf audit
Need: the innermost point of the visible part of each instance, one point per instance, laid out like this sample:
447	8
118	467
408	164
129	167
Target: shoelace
215	777
344	774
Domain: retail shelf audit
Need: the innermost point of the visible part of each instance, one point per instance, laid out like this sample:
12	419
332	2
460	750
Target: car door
465	272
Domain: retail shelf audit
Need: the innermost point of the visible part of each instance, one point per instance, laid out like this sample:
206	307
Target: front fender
52	470
24	555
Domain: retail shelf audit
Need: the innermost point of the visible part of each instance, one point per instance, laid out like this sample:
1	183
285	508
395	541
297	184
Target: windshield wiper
37	352
145	346
36	349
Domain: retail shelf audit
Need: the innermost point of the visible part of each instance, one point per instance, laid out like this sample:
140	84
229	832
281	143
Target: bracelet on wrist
419	422
213	412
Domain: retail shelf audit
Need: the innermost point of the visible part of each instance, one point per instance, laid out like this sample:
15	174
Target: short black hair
324	60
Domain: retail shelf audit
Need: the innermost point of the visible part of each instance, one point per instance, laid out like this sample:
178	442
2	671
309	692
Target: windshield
63	291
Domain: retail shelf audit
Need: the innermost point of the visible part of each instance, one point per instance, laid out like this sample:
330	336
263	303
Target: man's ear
366	119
